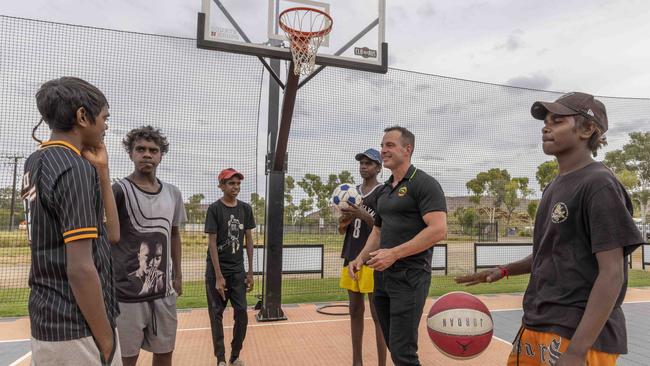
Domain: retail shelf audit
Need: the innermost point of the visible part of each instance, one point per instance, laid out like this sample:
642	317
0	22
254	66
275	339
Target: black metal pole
272	287
13	195
288	103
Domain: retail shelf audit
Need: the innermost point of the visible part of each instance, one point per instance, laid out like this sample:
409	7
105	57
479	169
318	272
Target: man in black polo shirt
411	217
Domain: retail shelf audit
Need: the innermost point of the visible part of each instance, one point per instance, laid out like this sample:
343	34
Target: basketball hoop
305	29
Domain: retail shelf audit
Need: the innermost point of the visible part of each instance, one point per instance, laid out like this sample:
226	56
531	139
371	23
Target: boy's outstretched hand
487	276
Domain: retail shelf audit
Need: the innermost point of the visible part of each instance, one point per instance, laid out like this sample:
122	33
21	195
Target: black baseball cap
573	103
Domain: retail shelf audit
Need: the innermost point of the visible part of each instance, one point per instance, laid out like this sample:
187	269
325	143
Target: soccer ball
346	194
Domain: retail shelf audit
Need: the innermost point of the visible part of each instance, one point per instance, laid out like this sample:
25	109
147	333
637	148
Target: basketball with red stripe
460	325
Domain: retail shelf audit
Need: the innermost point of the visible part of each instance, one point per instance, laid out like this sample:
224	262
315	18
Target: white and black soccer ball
346	193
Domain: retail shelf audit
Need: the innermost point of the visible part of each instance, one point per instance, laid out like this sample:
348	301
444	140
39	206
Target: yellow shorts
365	283
532	348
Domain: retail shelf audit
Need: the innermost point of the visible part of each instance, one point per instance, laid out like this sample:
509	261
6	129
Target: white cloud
462	127
532	81
513	43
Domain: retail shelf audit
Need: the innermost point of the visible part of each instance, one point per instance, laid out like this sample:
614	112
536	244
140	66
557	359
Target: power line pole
15	159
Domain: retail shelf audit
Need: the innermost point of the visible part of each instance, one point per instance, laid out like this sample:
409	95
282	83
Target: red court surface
306	338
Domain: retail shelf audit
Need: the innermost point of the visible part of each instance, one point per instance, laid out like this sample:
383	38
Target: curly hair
147	133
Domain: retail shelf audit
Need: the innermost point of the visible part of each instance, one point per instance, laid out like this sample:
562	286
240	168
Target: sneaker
222	363
238	362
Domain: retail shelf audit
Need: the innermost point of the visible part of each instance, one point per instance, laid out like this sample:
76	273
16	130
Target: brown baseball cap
229	173
573	103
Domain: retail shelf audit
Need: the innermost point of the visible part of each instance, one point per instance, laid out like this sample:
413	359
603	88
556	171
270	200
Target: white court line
626	302
21	359
636	302
500	310
15	340
346	319
274	324
502	340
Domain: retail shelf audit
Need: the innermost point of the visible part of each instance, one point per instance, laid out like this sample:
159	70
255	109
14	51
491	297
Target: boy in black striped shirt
67	196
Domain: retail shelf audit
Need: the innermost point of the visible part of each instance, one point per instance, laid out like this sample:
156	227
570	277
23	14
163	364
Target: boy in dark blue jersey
356	223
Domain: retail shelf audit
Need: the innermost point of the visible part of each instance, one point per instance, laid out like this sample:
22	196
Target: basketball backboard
250	27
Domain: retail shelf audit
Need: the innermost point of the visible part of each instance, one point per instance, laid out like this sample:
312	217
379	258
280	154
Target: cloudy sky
599	46
208	103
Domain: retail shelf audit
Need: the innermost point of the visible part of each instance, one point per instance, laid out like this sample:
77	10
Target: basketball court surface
311	338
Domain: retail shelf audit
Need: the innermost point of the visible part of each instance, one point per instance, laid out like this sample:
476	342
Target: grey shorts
148	325
82	351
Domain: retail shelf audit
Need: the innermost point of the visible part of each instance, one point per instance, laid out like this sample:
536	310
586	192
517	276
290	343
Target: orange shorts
532	348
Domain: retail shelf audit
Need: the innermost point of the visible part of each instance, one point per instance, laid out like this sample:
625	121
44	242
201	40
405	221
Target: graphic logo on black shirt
234	226
402	192
560	213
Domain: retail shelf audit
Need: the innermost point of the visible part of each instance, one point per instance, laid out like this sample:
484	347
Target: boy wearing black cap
356	223
583	234
228	222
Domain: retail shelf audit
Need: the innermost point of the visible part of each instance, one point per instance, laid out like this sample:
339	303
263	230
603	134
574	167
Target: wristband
504	271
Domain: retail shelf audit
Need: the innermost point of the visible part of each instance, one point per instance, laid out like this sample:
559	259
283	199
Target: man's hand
249	282
177	284
220	286
354	267
97	156
571	359
487	276
382	259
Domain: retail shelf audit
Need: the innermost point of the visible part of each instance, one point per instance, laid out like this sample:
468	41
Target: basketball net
305	29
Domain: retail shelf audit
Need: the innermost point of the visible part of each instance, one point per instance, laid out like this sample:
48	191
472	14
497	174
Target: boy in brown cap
583	234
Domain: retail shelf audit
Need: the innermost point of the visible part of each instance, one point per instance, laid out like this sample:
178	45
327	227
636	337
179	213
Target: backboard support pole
271	309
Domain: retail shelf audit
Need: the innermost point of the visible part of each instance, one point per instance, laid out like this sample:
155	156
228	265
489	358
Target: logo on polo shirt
560	213
402	192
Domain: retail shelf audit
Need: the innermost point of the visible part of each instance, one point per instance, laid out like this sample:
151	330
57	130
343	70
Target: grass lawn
13	302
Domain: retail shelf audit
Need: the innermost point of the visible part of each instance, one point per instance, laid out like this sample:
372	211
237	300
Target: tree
193	207
634	157
515	190
258	204
290	208
531	210
546	172
5	207
490	184
304	207
320	192
467	219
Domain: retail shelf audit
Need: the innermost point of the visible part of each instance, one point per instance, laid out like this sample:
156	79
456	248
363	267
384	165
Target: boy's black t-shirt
580	214
230	225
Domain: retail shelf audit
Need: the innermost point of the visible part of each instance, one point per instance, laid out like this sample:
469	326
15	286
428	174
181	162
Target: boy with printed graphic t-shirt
228	222
583	234
147	260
